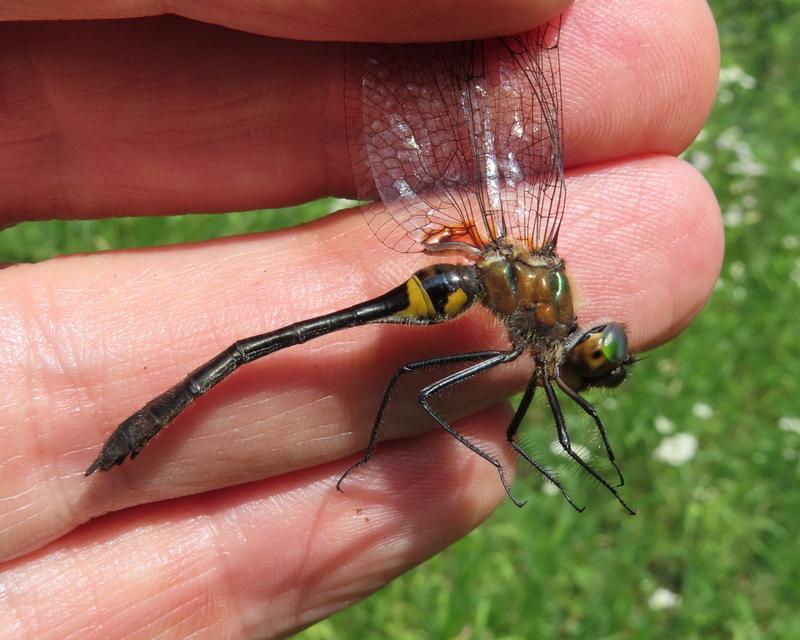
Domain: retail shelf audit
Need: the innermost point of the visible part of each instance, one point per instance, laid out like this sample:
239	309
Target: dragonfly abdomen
434	294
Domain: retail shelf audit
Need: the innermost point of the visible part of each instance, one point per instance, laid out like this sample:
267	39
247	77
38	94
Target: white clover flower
583	452
664	599
790	424
737	270
701	160
729	138
702	410
664	425
746	165
676	450
733	216
549	489
734	74
790	242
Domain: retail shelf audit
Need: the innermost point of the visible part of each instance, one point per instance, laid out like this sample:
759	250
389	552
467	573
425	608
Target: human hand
164	115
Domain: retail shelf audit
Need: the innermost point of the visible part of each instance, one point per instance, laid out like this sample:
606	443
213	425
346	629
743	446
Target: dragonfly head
598	358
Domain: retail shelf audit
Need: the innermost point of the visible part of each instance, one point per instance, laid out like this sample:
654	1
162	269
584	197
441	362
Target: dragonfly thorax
529	291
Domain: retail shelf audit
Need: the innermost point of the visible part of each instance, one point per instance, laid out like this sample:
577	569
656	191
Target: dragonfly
459	145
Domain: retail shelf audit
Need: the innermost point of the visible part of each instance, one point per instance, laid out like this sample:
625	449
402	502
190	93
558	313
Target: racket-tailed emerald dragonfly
462	143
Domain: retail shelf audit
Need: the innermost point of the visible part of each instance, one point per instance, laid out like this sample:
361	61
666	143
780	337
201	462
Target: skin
165	115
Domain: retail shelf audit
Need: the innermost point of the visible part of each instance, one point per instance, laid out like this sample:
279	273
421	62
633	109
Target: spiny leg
461	376
589	409
563	438
408	368
511	432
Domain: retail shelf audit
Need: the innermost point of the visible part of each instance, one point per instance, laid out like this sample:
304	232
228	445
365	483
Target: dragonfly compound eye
599	352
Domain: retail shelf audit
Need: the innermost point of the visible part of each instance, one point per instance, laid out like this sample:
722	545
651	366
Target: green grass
720	530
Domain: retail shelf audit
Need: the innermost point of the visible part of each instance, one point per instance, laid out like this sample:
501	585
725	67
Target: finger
642	241
345	20
260	560
638	77
117	118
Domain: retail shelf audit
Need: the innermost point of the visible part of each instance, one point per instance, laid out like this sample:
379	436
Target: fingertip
638	78
643	241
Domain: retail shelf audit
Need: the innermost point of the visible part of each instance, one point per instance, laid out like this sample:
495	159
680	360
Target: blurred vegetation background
708	428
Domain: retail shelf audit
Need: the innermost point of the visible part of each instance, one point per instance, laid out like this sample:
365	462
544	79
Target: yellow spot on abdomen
419	302
456	302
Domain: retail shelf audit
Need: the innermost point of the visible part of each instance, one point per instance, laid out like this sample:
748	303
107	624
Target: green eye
614	343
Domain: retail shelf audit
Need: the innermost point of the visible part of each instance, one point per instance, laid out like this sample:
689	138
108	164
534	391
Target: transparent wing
461	141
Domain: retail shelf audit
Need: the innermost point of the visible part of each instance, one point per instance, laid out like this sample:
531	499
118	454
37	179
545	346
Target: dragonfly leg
563	438
460	376
511	433
407	368
590	410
